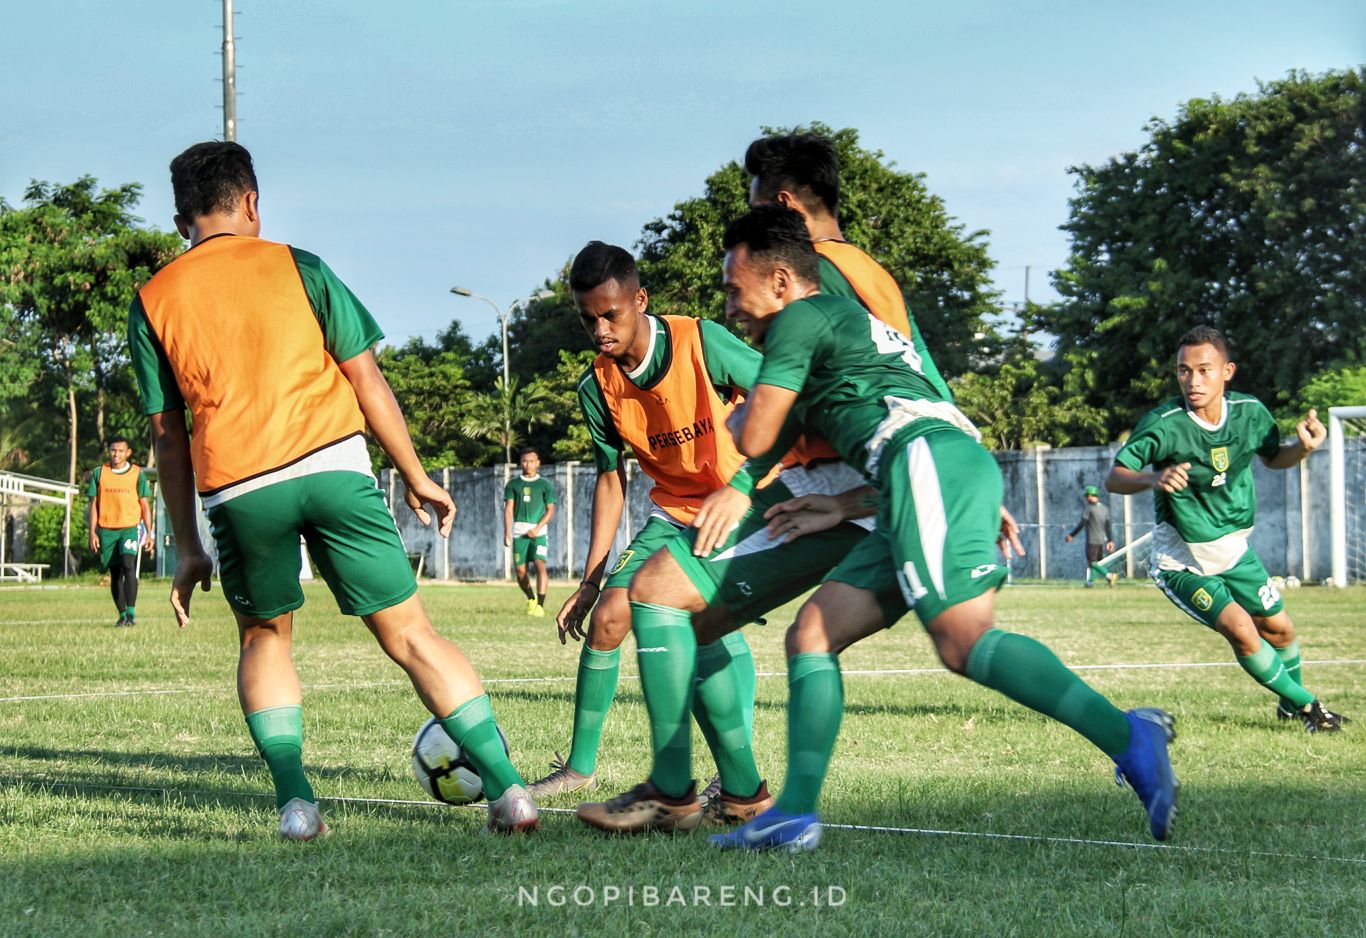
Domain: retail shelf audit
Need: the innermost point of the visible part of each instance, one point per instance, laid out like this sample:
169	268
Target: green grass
142	809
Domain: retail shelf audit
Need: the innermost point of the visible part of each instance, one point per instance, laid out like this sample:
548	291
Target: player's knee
808	633
608	625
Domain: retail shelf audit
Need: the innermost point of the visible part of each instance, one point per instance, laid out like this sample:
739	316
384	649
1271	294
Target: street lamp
503	325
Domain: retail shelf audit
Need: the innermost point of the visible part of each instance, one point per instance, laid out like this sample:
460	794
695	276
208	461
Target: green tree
431	385
507	414
1340	387
1246	214
70	261
942	268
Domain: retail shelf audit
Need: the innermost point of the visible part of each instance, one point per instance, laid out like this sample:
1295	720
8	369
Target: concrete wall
1043	491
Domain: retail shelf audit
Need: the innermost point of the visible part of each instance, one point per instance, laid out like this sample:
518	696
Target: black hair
806	165
600	262
776	235
1207	335
118	439
210	177
529	451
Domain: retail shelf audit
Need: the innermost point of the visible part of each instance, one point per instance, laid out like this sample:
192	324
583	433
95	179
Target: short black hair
210	177
776	235
529	451
805	164
1207	335
600	262
118	439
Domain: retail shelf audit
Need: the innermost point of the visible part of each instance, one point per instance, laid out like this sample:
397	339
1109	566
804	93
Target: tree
1244	214
942	269
507	414
431	385
70	262
1340	387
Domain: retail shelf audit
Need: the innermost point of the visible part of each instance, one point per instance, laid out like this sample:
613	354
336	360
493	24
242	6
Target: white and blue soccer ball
1292	582
442	768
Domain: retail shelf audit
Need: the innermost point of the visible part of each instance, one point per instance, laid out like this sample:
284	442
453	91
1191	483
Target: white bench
23	572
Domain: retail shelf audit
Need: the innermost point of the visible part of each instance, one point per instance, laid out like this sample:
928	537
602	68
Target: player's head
1203	367
609	297
1092	494
769	263
800	171
119	450
215	180
530	461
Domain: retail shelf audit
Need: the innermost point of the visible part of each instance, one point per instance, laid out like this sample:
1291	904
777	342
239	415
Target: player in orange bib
271	354
119	516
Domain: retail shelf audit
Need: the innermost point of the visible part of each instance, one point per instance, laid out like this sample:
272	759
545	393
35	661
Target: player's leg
521	553
129	561
116	570
542	577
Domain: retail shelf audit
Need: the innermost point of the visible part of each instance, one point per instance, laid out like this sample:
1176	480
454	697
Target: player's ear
642	300
182	225
1229	369
780	282
251	209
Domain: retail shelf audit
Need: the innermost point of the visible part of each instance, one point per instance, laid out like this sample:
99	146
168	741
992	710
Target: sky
421	145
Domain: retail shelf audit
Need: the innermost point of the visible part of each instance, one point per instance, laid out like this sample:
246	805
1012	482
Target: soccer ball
1292	582
441	767
1278	582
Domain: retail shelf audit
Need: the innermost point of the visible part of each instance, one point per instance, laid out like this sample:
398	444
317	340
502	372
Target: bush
45	535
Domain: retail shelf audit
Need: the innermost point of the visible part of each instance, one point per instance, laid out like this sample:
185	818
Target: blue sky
420	145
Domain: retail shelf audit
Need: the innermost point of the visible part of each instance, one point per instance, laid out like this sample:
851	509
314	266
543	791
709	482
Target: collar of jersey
1205	424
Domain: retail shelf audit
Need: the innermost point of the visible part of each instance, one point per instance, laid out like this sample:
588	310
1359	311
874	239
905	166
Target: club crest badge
1203	600
1219	457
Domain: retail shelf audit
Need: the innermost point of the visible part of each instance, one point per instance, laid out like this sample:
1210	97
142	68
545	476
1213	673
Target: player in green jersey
1200	446
836	369
528	507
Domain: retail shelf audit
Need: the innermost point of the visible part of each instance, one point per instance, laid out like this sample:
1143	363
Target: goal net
1347	464
1133	560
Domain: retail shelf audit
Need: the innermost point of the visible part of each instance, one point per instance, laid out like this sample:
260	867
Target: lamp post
503	326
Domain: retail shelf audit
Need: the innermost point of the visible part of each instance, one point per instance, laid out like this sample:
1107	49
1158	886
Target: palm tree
499	416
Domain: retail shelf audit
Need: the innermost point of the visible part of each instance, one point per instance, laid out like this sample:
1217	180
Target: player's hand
720	514
1109	547
574	613
95	542
1010	535
1311	432
507	540
189	570
1067	538
421	492
805	514
1173	478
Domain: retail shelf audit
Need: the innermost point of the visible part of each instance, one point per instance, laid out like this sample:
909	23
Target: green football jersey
529	498
1220	498
859	381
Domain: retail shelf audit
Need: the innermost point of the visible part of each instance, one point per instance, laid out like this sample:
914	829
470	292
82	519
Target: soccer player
1200	445
830	364
528	506
118	494
1095	518
663	385
271	354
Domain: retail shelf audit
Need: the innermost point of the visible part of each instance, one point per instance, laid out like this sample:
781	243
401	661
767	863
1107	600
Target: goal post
1347	472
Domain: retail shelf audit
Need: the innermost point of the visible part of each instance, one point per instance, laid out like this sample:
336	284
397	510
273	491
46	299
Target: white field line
869	828
878	672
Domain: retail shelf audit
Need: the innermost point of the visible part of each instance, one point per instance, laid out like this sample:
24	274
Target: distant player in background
271	354
1200	445
1095	518
118	494
528	507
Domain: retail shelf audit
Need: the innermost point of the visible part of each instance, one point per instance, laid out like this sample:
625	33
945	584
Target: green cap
1092	490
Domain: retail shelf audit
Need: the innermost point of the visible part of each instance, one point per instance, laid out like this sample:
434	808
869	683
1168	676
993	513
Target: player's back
246	347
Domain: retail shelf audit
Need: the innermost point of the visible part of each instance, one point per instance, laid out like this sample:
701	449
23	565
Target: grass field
133	802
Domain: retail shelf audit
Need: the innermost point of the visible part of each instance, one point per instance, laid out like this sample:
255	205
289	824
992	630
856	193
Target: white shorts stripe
929	509
1176	600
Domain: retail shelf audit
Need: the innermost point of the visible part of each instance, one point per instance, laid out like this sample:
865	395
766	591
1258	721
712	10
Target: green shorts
115	542
350	534
527	549
751	574
656	533
936	540
1204	597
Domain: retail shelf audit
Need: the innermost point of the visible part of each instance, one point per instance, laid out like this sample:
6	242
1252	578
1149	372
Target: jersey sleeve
510	491
799	336
144	490
607	442
93	488
156	381
348	328
1145	446
1268	435
549	492
730	362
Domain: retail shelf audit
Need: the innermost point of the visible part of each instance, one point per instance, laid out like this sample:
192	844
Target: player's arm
808	514
1125	481
762	418
172	442
1147	446
386	423
1309	436
609	500
544	523
507	522
722	510
1080	524
146	521
93	510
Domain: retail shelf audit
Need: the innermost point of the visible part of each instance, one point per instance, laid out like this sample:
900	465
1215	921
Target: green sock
719	708
1290	657
593	694
739	649
815	707
471	726
132	613
1267	669
278	733
666	650
1027	672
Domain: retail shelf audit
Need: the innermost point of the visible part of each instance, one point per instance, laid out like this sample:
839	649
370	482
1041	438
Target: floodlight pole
229	76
